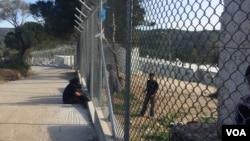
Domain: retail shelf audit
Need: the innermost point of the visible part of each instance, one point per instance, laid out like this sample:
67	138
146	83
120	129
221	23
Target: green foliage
10	53
1	53
32	33
58	16
11	41
157	136
207	119
153	132
15	64
117	18
25	37
119	107
187	46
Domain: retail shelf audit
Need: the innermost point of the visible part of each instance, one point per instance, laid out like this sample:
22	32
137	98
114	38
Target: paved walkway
31	109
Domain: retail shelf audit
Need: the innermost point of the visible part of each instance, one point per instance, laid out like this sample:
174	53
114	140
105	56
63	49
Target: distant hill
188	46
3	32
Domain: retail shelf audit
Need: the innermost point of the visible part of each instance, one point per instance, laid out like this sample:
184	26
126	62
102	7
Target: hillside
188	46
3	32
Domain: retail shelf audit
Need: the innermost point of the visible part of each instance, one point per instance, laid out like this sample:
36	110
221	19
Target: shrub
20	66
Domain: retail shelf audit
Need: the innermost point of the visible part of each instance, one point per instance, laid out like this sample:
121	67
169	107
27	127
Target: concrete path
31	109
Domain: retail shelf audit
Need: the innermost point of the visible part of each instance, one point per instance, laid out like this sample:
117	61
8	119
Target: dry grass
11	75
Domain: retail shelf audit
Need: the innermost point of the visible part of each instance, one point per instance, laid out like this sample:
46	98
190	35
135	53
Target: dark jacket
68	93
152	87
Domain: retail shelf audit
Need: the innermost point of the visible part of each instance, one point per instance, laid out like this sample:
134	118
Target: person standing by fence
152	87
114	83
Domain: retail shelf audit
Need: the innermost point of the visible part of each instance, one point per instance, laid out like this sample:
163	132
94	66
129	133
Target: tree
115	24
117	17
14	11
58	16
25	37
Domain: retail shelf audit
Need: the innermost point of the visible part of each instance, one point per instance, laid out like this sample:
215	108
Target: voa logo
236	132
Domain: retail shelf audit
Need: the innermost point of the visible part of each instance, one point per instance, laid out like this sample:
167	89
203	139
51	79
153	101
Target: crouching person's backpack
242	115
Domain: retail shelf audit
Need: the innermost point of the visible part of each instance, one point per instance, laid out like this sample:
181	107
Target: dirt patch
177	102
12	75
192	100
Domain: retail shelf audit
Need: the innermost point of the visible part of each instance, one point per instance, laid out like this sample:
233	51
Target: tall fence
63	56
198	51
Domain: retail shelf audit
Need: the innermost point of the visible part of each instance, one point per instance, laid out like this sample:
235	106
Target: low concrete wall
64	60
100	121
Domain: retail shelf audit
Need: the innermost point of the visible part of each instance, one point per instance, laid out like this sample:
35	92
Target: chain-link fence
63	56
198	51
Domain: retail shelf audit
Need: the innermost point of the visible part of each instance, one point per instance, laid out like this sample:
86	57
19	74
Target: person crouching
73	94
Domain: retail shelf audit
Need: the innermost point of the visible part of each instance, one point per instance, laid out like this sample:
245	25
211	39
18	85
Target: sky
185	15
177	14
4	24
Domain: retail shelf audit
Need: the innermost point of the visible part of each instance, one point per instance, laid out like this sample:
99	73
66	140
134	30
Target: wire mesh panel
233	58
63	56
178	42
